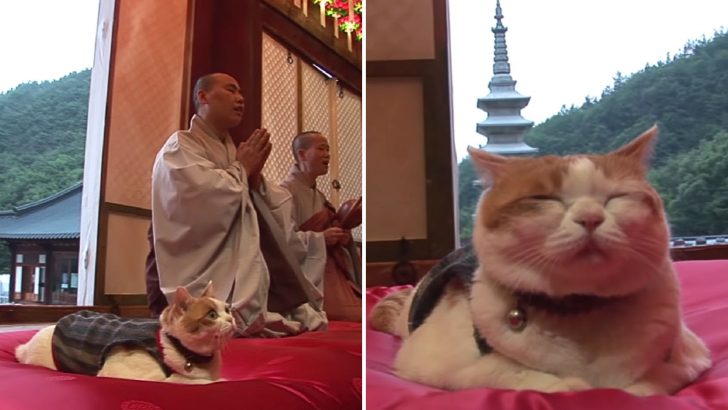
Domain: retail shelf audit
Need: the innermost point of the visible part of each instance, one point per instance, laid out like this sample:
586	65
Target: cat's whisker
536	259
517	253
646	255
526	256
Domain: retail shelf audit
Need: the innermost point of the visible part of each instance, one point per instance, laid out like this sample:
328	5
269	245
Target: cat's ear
182	297
640	149
209	290
489	166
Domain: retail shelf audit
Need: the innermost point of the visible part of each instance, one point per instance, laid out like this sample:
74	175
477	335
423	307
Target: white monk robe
308	248
305	202
206	229
308	201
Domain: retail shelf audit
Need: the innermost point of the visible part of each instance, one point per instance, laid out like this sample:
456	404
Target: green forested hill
42	140
687	97
42	135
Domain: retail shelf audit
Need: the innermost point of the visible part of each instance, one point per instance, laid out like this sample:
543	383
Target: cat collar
190	356
569	305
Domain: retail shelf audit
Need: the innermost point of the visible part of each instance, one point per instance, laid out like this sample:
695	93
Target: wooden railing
703	252
17	314
382	273
312	17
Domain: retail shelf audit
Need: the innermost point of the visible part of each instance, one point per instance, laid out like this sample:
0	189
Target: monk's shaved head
204	83
303	141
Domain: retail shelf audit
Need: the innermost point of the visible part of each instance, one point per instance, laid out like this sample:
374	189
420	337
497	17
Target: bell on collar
188	366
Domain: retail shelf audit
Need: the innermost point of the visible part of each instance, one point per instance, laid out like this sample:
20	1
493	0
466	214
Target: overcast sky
561	51
45	39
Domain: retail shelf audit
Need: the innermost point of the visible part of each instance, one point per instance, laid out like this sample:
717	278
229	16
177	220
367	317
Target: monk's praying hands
253	152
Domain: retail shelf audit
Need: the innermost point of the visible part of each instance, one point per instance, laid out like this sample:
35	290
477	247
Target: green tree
693	188
42	135
469	191
4	258
685	96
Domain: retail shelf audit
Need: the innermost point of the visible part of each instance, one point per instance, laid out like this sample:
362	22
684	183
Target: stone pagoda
504	126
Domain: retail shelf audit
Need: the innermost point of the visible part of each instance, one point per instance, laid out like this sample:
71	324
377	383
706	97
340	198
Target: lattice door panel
316	109
349	147
279	106
321	109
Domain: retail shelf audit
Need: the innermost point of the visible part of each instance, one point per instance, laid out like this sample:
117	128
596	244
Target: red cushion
319	370
705	302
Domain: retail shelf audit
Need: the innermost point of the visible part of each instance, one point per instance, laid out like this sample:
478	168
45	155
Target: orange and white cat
183	346
574	287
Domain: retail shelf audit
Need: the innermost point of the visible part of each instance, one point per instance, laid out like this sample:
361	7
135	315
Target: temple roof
55	217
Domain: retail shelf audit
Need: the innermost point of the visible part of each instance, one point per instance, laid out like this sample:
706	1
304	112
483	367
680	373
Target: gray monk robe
342	272
206	229
307	200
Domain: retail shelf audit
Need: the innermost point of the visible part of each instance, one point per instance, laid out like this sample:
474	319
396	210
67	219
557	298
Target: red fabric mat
315	370
705	302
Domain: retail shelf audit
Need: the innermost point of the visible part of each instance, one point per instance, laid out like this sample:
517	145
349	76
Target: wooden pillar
13	253
227	38
50	275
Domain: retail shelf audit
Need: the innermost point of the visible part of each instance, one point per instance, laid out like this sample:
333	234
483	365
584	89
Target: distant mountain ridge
43	128
42	135
686	97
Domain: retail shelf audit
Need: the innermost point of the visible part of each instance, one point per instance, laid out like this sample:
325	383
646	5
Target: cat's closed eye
617	195
545	198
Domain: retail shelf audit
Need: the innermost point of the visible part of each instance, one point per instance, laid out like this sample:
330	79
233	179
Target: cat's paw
176	378
645	389
569	384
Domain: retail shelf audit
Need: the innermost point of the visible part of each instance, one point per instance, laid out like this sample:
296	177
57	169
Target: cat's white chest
609	346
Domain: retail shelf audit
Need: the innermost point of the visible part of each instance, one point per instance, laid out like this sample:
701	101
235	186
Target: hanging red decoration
348	22
337	8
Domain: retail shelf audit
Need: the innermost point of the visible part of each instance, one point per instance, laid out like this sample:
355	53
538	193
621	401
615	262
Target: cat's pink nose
590	221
